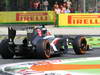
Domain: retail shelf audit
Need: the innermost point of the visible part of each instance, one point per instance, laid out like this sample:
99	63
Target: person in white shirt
45	3
69	3
62	8
56	8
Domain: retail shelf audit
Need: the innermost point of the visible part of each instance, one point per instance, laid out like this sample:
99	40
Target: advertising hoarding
79	19
30	17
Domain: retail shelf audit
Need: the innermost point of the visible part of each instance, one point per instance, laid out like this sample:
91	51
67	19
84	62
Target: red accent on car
48	33
55	42
39	32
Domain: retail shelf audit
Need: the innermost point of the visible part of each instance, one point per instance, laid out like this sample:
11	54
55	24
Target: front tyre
43	49
80	45
4	50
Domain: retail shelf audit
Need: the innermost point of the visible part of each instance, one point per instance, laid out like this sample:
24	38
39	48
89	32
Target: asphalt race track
93	53
93	41
77	31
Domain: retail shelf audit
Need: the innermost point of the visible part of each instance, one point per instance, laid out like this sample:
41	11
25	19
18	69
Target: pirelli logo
83	19
43	16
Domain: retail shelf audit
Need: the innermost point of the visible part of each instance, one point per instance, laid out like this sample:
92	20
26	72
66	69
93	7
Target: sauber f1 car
39	43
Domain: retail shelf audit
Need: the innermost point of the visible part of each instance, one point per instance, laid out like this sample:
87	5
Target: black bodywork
40	43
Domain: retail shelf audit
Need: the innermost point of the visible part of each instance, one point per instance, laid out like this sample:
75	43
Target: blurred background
26	5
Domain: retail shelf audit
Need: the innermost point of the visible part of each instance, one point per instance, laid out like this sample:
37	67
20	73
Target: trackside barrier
27	17
49	17
78	20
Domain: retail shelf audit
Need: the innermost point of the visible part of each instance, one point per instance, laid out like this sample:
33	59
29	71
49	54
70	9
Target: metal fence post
84	6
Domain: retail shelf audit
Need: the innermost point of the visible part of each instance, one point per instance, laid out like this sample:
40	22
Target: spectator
45	3
98	10
79	10
35	6
67	11
72	10
55	5
62	9
91	10
65	5
65	8
69	3
56	8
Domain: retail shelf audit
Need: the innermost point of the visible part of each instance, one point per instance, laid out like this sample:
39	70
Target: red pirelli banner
34	17
79	19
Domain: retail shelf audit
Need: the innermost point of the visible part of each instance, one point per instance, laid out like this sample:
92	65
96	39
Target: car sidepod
59	46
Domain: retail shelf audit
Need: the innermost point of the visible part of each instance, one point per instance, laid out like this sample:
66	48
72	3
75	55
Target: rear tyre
80	45
43	49
5	51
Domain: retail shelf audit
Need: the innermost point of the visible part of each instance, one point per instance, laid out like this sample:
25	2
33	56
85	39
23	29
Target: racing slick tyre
79	45
4	50
43	49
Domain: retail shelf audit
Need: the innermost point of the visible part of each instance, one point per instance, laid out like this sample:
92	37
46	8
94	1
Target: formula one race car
39	43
